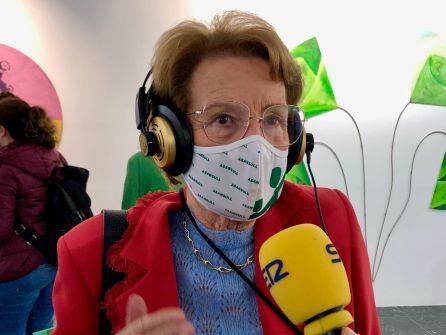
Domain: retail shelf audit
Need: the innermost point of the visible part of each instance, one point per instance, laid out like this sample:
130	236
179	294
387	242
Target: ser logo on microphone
272	272
330	248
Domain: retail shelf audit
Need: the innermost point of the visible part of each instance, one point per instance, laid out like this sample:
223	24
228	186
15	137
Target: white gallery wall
97	53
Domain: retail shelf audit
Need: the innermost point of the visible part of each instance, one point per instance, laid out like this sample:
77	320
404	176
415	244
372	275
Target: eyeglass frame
200	113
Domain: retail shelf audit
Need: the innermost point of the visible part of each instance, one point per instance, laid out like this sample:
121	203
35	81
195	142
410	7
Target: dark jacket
24	168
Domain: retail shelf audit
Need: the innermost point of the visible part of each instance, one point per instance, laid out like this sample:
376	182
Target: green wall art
430	89
317	97
439	197
430	86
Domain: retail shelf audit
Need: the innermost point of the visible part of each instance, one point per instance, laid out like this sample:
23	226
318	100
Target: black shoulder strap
115	223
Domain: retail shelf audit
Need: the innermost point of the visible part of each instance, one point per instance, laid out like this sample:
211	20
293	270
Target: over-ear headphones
167	136
303	146
165	133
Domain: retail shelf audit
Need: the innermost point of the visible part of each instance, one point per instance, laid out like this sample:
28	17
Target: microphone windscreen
305	274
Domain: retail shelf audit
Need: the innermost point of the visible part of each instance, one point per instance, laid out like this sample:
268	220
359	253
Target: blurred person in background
27	158
144	176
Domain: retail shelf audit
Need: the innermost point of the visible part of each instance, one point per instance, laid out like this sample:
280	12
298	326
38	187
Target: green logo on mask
234	213
253	181
204	157
276	182
211	175
226	167
196	181
205	199
222	195
251	164
239	188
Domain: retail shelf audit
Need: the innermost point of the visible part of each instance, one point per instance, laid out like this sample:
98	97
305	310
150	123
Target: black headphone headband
167	136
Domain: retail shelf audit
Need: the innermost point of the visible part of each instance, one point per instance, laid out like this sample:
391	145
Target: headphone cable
316	195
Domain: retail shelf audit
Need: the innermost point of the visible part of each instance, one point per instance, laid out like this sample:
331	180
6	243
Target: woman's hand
348	331
164	321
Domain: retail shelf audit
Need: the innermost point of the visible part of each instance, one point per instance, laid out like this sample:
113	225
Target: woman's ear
4	136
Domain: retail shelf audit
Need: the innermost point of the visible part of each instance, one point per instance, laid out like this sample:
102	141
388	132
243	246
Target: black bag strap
30	236
115	223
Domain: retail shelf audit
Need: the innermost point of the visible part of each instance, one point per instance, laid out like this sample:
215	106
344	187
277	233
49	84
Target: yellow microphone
307	278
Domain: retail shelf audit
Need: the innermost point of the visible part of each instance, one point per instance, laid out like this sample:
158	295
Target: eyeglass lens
226	122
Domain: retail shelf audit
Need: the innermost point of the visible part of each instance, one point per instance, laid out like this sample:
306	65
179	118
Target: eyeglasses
227	122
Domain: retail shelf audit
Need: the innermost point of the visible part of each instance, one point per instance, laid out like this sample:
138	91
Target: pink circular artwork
21	76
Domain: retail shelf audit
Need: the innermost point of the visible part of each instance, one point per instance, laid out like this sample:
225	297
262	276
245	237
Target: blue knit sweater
216	303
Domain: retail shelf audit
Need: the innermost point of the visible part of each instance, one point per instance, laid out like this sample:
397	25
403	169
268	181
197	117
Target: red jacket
145	254
23	171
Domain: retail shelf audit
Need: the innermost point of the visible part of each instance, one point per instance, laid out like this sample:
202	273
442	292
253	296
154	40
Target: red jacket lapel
146	255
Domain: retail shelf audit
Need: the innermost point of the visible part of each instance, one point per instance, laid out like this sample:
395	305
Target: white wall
97	52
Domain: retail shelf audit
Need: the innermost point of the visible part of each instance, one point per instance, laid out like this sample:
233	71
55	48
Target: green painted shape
430	86
299	175
317	96
274	180
439	197
438	69
310	52
442	174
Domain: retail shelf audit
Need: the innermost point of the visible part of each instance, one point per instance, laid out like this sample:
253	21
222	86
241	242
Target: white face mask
241	180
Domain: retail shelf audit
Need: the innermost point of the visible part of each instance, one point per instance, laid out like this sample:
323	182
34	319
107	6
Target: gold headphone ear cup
303	147
165	136
143	145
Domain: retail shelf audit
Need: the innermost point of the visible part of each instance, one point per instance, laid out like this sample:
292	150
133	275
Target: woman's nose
254	127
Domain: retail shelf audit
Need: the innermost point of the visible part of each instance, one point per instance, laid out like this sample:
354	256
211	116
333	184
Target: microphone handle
334	332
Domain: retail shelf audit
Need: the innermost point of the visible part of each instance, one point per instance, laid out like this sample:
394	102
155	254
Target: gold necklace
208	263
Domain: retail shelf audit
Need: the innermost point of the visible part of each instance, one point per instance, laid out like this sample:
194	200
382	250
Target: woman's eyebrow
269	105
272	104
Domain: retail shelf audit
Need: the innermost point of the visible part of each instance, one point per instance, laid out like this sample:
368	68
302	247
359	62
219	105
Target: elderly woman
235	83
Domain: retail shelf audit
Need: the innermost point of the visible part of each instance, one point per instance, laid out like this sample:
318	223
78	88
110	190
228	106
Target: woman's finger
151	321
182	327
348	331
136	308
